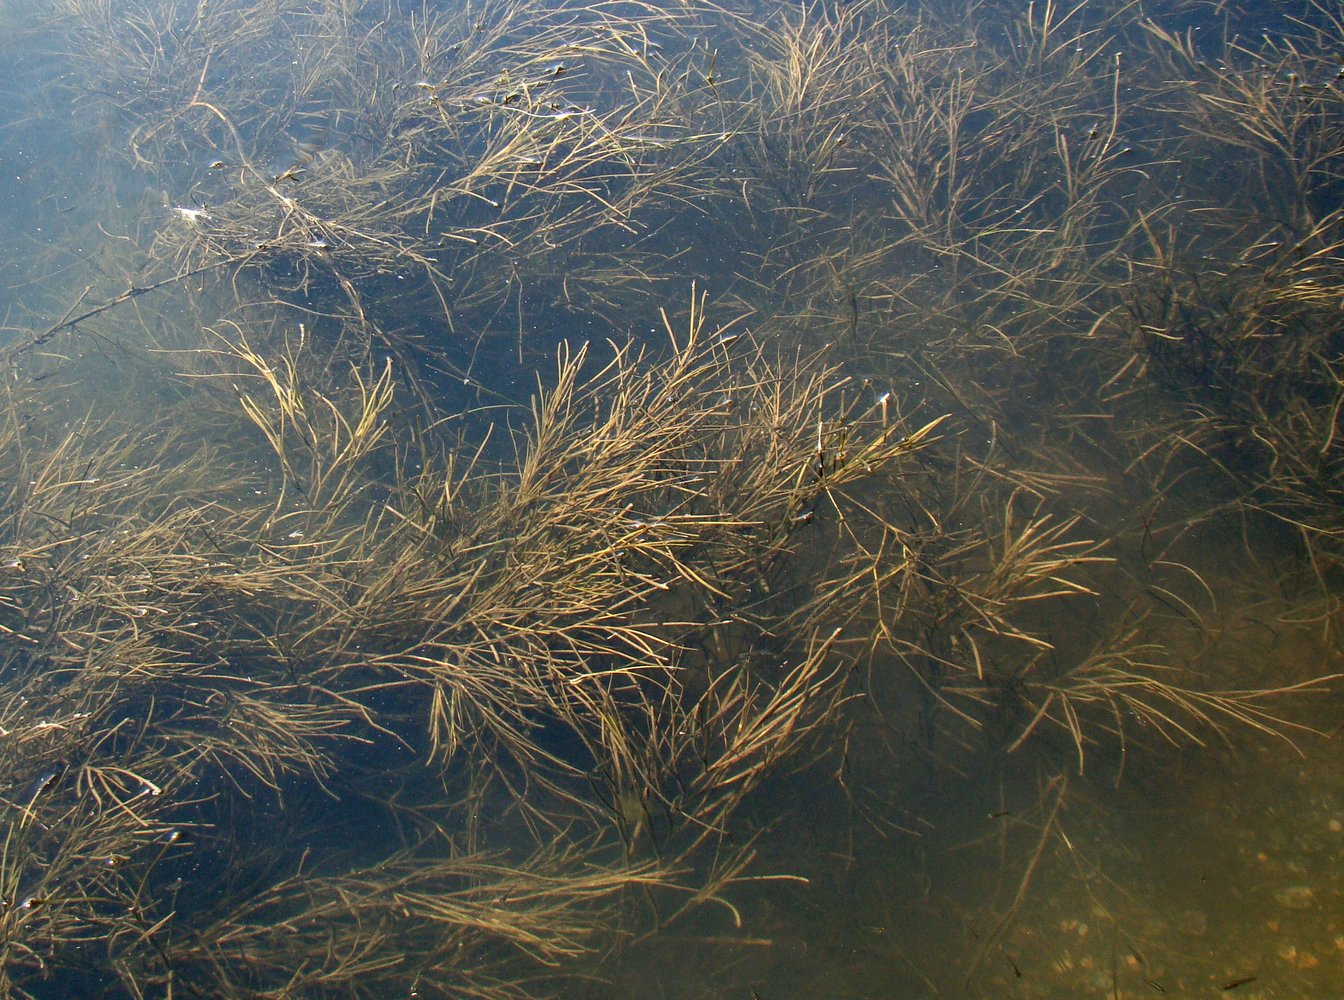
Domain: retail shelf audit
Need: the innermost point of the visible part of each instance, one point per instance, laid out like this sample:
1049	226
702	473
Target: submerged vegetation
462	459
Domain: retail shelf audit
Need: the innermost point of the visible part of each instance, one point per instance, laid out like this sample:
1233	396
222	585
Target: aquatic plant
404	581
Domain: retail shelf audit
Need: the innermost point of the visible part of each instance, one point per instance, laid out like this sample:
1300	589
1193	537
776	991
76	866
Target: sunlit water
911	859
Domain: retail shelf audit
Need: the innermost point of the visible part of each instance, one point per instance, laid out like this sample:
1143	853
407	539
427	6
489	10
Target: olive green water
596	500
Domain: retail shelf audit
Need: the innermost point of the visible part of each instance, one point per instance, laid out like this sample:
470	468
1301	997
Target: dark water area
601	500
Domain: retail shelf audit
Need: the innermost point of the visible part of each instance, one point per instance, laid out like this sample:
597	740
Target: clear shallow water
1196	872
1105	249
